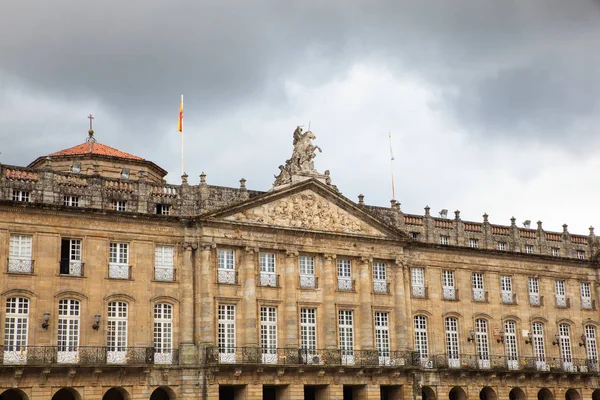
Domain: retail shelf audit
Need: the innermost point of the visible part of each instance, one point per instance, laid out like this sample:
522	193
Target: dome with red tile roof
94	148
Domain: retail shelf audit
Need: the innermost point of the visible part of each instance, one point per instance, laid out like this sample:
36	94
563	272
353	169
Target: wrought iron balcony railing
71	267
381	286
85	355
227	276
269	279
165	274
309	281
119	271
19	266
346	284
420	291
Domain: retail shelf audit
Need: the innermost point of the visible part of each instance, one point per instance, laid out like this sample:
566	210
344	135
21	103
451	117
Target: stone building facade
116	285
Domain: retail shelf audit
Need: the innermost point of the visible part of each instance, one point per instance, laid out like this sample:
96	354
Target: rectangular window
414	236
70	257
502	246
226	333
382	337
116	339
444	239
163	263
591	346
565	347
483	346
539	351
267	269
163	333
474	243
560	292
308	335
529	249
421	343
506	290
268	334
555	251
586	295
581	254
19	254
226	271
418	282
534	292
307	272
76	167
163	209
68	331
16	324
118	266
21	195
452	349
345	275
119	205
346	332
448	289
71	201
510	345
478	289
380	284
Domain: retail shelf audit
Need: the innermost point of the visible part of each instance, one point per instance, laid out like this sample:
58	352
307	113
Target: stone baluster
328	286
365	313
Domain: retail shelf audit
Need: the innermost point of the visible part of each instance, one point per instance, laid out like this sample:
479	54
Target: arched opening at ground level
545	394
457	393
116	394
572	394
517	394
162	393
66	394
487	393
13	394
596	394
427	393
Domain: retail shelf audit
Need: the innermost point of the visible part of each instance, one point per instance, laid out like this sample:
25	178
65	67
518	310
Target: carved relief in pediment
306	210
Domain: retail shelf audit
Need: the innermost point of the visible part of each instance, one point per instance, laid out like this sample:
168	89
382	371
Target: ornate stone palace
118	286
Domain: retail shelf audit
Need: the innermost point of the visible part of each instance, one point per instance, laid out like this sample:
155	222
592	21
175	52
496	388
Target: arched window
566	355
16	326
510	344
483	346
163	333
68	330
539	349
421	344
452	342
591	347
117	332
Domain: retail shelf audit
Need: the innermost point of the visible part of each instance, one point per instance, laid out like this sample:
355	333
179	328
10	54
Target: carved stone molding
366	259
188	246
208	246
252	250
291	253
329	256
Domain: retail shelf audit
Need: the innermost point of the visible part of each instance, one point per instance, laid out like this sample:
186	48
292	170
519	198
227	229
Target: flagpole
181	117
392	165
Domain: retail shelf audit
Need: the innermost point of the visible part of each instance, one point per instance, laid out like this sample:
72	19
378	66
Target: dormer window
119	205
76	167
125	173
163	209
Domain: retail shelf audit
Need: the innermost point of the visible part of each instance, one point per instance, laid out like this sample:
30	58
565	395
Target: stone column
248	272
187	348
290	291
365	312
205	323
329	286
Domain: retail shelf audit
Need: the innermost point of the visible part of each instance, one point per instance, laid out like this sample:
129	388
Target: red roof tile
95	148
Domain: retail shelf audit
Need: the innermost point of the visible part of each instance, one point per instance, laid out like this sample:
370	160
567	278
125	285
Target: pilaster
365	300
206	320
290	291
328	286
187	348
248	272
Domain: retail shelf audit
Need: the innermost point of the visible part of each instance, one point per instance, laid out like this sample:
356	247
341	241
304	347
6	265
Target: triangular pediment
307	206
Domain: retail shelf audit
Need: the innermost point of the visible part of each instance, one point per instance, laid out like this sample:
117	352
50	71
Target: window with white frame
163	209
70	257
267	269
506	289
382	337
581	254
474	243
344	274
539	348
566	354
478	288
560	293
116	337
452	349
510	344
444	239
502	246
528	249
20	195
555	251
71	201
68	330
19	254
226	266
163	263
268	334
307	272
421	342
118	262
534	292
483	345
448	289
16	325
163	333
586	295
591	346
379	277
308	333
226	333
346	335
119	205
418	282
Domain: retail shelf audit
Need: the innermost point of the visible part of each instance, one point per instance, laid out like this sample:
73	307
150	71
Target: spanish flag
180	126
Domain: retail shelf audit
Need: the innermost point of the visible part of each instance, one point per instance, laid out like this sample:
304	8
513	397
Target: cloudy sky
493	106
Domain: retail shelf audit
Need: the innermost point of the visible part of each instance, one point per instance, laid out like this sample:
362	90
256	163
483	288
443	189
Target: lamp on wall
96	325
46	323
583	339
471	335
529	339
501	338
556	342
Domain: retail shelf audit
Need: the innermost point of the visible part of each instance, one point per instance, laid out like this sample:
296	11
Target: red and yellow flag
180	126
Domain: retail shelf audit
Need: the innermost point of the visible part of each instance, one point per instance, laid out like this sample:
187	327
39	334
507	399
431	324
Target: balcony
164	274
450	293
509	298
227	276
420	292
85	356
309	281
480	295
536	300
269	279
588	304
381	286
71	267
563	302
346	284
119	271
19	266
